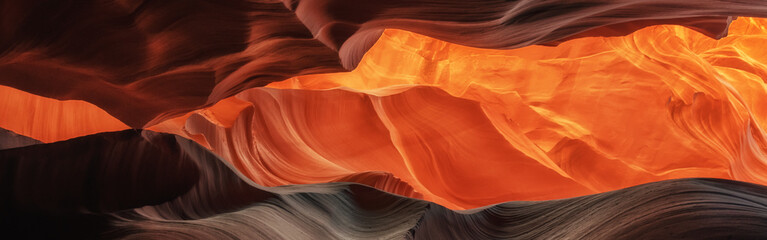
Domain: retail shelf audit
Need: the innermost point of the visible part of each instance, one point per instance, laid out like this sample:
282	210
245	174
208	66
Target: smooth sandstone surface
590	115
357	119
555	113
50	120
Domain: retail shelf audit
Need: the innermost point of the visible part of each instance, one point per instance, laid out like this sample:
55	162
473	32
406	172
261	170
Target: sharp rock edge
144	185
9	139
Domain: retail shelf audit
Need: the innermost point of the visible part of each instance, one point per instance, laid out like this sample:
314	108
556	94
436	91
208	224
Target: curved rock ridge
445	147
39	119
540	122
147	61
145	185
664	102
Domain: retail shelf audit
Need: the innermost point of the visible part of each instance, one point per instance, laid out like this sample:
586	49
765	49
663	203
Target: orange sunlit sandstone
51	120
383	119
587	116
484	126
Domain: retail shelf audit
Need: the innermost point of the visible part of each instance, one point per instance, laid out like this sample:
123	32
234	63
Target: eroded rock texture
455	105
588	116
144	185
445	147
150	60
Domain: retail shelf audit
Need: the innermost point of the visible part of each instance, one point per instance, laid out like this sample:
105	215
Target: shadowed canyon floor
146	185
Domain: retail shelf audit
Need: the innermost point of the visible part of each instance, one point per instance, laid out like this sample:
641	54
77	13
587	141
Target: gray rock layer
9	139
145	185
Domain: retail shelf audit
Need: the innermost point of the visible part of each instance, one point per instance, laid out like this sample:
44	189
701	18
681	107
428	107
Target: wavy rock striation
445	147
708	111
664	102
147	61
144	185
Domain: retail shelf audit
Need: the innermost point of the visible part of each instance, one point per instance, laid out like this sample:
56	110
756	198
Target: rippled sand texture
488	126
147	61
144	185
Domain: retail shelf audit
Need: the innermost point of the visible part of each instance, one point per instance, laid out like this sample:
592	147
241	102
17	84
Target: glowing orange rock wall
590	115
663	102
618	125
51	120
